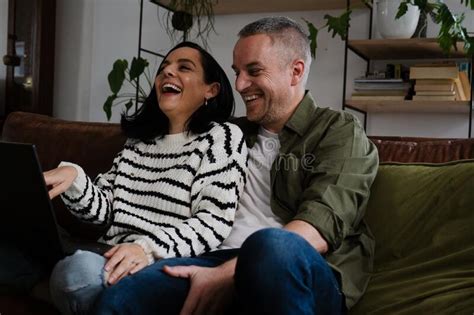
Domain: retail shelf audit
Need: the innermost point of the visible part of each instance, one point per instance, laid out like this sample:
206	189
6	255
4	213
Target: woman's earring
205	102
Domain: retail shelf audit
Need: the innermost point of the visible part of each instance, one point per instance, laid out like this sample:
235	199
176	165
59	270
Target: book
461	96
377	80
382	86
465	84
434	72
378	97
434	81
435	87
435	93
434	97
380	92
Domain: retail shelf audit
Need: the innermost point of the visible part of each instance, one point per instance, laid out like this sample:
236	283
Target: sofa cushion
422	218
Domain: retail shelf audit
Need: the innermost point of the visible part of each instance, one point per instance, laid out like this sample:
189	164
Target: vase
388	26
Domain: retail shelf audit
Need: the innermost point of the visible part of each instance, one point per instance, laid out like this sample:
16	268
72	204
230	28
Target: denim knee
277	247
76	281
279	272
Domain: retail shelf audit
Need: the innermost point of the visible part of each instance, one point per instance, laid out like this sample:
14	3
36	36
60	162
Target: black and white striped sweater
174	196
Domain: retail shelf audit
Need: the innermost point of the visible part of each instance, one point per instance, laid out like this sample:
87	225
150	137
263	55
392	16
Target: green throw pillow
422	218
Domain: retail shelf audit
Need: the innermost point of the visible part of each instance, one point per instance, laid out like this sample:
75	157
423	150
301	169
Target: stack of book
380	89
440	82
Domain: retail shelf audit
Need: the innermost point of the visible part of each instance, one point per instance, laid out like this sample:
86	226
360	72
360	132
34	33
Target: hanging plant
182	15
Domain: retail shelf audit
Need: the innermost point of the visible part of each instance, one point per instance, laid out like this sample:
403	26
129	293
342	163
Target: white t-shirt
254	212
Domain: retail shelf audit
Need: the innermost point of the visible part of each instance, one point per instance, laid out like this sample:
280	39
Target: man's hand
309	233
60	179
211	288
124	259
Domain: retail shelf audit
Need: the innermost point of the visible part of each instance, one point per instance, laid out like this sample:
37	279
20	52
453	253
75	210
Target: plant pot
182	21
388	26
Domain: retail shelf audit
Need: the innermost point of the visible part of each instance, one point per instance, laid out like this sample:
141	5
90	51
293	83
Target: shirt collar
299	122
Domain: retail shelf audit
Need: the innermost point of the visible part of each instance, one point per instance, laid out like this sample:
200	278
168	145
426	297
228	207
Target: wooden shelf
454	107
253	6
412	48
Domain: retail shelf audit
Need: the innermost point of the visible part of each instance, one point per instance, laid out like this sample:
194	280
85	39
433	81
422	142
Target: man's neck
277	126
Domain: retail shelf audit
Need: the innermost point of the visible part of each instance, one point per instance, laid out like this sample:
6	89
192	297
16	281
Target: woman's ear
213	90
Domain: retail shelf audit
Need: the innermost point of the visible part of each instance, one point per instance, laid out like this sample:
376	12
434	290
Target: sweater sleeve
215	193
91	201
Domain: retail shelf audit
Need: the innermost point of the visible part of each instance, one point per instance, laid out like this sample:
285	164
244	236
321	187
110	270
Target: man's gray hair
286	32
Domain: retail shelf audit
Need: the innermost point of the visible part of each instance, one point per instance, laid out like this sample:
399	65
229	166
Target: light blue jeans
76	281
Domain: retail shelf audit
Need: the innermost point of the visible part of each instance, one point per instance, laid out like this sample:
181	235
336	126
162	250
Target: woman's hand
60	179
124	259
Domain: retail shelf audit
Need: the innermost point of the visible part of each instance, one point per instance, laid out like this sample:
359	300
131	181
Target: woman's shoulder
226	129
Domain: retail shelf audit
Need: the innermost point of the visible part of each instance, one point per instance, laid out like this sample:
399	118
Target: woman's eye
184	68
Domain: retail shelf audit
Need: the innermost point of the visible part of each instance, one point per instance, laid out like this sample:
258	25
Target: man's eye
254	71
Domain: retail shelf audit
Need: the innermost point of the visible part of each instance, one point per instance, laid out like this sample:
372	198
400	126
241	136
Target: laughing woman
171	192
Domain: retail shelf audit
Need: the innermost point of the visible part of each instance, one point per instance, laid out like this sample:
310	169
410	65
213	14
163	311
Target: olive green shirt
322	176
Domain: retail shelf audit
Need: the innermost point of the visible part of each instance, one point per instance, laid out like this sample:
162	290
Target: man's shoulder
329	114
245	125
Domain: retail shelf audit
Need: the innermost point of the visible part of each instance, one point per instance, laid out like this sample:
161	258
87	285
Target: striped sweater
174	196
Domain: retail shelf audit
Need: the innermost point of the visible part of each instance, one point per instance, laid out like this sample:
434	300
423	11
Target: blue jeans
76	281
277	272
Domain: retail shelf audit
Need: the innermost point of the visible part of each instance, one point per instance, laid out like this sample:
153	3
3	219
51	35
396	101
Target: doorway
29	58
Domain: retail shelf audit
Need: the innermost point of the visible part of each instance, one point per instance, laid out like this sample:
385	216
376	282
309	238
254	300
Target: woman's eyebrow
187	60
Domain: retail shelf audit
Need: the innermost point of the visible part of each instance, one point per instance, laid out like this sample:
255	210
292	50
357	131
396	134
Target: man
299	244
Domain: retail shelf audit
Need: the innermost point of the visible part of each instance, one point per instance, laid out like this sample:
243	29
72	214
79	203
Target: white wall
91	35
3	49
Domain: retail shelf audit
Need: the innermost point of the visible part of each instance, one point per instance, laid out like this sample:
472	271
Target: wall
91	35
3	49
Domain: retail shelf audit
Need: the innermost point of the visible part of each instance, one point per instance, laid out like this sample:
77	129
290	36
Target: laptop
27	217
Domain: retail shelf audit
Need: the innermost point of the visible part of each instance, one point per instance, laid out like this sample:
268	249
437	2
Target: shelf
252	6
412	48
454	107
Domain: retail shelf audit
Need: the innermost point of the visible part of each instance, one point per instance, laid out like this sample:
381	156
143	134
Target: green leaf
128	105
468	2
313	38
339	25
108	106
469	46
117	75
402	9
137	67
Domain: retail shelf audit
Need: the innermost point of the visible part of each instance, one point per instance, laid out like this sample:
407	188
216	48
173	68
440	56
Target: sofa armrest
89	144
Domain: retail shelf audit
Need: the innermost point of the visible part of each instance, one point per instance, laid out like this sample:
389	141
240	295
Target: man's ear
213	90
297	71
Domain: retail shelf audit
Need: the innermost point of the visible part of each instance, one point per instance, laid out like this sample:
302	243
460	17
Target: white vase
388	26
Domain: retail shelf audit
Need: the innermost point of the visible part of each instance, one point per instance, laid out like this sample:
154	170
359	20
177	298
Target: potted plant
123	72
451	28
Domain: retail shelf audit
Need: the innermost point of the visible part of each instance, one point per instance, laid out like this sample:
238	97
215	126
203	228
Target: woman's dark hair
150	121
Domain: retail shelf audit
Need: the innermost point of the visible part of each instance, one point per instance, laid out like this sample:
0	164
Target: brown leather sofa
94	145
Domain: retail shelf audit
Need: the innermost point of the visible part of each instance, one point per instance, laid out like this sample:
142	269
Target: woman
172	191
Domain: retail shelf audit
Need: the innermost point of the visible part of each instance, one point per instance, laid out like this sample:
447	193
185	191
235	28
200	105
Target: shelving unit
400	49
